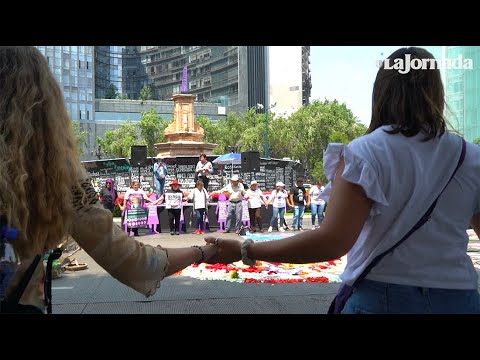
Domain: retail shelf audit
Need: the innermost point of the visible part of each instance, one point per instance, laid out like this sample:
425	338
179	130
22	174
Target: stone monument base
179	148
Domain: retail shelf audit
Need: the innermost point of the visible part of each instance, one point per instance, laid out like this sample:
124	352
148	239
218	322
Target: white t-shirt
236	192
403	176
207	168
315	193
279	200
200	198
254	198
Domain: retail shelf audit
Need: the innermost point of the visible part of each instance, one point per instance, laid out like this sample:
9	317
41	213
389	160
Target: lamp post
265	151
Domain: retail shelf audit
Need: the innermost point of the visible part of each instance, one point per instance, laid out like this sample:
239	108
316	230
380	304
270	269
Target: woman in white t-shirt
381	186
200	197
278	199
255	200
317	204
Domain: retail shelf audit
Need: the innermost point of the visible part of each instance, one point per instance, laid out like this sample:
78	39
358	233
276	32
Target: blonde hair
39	162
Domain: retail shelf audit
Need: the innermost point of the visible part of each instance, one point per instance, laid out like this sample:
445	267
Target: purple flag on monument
184	87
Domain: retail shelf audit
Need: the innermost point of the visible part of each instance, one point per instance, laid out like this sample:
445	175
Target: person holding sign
136	214
203	170
173	203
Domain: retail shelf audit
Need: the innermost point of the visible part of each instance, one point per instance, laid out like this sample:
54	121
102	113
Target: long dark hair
412	101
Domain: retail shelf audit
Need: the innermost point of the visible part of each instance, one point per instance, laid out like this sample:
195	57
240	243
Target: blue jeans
298	216
317	209
374	297
276	213
159	186
199	217
234	210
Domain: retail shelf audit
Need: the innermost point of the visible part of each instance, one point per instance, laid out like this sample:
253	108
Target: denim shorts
373	297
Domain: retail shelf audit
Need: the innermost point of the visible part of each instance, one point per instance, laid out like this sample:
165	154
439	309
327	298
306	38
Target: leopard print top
139	266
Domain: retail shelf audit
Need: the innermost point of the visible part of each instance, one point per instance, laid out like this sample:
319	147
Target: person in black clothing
108	195
173	198
297	198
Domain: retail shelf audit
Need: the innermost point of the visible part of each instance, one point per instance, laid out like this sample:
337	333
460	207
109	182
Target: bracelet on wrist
244	250
202	252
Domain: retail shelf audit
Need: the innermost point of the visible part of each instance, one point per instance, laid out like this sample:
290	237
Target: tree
306	134
477	141
152	128
112	92
230	132
253	136
145	94
81	137
210	129
117	143
124	96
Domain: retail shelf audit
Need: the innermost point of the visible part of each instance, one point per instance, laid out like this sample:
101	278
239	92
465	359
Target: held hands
228	251
209	251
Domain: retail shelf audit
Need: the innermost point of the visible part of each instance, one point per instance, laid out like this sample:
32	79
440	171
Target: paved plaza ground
94	291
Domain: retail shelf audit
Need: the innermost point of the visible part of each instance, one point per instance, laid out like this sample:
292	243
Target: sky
347	73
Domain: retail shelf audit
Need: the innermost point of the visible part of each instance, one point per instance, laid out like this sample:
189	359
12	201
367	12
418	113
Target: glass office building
462	87
73	68
108	72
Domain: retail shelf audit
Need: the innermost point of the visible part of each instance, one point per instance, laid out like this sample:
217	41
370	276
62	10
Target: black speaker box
139	155
250	161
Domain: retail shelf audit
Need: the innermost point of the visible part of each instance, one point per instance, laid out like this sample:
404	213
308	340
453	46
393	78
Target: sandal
75	266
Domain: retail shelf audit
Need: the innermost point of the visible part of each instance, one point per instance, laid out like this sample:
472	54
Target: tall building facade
134	73
73	67
108	71
212	72
234	77
306	76
289	78
462	88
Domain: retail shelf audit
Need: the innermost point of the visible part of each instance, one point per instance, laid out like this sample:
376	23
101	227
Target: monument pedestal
175	148
184	136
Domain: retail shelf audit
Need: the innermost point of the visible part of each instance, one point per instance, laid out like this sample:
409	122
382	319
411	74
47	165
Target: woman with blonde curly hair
37	152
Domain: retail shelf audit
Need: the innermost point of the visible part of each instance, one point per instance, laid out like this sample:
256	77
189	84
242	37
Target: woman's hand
209	251
228	251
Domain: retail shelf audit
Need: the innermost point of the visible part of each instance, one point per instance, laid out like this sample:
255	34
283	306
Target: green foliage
229	133
117	143
145	94
112	92
151	127
477	141
210	129
310	129
117	212
303	136
81	137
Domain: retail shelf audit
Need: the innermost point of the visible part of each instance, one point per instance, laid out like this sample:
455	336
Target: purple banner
184	87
